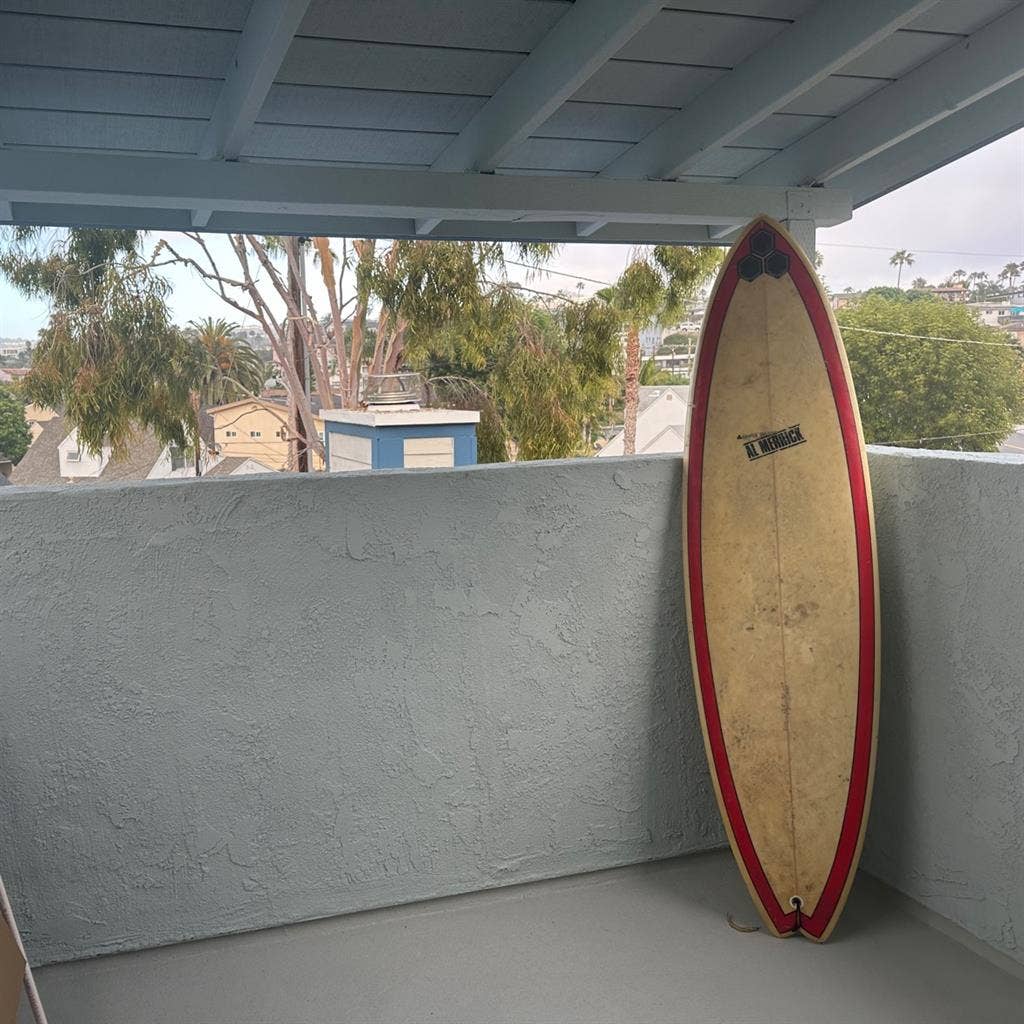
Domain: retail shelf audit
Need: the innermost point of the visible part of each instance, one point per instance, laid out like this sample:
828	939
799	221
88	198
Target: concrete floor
644	943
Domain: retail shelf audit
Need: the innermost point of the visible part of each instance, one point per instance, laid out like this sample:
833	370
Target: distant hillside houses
12	348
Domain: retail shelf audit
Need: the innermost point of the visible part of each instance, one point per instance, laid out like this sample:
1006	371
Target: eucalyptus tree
539	368
109	355
418	289
653	289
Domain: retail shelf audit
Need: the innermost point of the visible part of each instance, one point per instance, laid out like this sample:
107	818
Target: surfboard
781	582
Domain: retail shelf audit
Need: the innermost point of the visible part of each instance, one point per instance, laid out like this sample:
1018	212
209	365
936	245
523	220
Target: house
840	300
949	292
991	313
56	457
674	360
660	422
1016	331
257	428
13	347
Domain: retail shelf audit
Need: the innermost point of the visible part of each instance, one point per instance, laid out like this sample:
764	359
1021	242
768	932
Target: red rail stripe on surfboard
857	796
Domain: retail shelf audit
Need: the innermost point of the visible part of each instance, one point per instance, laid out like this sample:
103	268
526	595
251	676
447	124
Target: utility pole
297	287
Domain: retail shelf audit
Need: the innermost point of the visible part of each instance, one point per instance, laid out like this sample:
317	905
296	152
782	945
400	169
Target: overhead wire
1009	343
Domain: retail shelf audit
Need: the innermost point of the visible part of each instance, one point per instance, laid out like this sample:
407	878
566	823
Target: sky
968	215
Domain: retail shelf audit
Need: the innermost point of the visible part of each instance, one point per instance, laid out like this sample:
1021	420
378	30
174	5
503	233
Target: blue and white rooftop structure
399	437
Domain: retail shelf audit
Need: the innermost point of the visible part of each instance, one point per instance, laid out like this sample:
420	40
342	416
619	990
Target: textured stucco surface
242	702
947	824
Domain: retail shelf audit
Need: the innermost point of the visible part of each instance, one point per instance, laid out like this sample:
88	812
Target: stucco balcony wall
239	703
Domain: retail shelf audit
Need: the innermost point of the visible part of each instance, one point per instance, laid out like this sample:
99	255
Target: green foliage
652	376
14	432
931	394
891	292
654	287
232	368
539	376
109	356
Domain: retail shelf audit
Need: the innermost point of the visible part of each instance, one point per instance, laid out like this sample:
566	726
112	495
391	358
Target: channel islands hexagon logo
763	257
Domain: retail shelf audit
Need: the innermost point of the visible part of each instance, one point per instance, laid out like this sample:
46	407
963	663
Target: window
74	455
231	433
177	457
279	433
255	433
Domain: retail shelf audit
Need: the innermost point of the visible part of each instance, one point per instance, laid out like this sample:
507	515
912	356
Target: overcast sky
967	215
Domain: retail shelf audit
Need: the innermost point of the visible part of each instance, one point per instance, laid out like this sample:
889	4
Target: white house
991	312
660	422
56	456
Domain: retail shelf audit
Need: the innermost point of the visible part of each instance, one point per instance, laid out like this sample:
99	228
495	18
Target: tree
654	287
233	369
109	356
15	436
540	374
1010	273
419	289
900	259
651	375
929	375
919	283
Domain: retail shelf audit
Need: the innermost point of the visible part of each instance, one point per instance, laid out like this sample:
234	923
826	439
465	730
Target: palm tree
958	275
654	287
980	282
227	368
899	260
919	283
1009	274
232	369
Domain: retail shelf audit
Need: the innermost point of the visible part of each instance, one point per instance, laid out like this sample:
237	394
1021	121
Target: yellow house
37	415
257	428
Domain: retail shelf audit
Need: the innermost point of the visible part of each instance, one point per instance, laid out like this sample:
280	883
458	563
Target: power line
942	437
926	252
560	273
928	337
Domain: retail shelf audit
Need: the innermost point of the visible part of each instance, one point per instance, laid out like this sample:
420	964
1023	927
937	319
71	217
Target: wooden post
296	285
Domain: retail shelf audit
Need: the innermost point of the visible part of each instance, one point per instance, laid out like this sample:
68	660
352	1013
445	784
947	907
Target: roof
646	120
232	464
143	452
40	465
660	422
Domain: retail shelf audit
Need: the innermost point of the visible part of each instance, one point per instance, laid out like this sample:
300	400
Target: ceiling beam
357	227
584	38
961	133
832	34
29	176
967	72
269	29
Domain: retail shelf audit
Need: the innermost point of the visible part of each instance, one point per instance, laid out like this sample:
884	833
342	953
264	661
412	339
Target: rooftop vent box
395	432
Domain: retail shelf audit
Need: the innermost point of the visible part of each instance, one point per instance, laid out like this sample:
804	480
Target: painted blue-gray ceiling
610	120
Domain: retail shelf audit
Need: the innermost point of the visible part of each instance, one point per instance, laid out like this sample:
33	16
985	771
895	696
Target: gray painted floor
645	943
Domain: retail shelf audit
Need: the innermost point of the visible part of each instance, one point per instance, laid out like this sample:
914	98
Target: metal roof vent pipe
395	390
